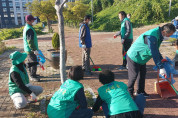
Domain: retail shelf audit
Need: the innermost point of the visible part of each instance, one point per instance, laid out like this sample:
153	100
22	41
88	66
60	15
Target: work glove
83	46
41	64
163	72
36	52
115	36
29	84
122	41
33	96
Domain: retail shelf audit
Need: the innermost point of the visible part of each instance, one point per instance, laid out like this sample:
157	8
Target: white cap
176	18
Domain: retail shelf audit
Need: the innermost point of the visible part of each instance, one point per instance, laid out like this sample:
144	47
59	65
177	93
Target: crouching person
70	101
19	86
114	98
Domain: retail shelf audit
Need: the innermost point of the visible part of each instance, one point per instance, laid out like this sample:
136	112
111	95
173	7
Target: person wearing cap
175	22
85	43
19	85
126	33
31	45
142	50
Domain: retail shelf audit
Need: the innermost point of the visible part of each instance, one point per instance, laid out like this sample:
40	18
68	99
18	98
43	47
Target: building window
5	15
17	4
11	9
4	9
23	4
17	9
10	4
29	0
12	14
23	0
24	9
10	0
4	4
16	0
6	21
3	0
18	15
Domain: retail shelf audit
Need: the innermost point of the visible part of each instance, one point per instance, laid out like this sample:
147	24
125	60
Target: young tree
59	11
43	9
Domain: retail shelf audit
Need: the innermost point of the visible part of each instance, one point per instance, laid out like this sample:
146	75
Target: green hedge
11	33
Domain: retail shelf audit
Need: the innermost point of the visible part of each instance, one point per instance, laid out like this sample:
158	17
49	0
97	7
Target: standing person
70	101
175	22
31	45
115	99
126	36
19	86
142	50
85	43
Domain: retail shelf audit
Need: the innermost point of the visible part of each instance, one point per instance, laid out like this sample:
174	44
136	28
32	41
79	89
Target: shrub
55	41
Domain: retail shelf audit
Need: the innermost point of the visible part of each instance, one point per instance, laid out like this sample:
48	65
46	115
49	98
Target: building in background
12	13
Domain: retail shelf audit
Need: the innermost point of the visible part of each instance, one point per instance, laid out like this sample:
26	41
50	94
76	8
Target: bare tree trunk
49	25
59	8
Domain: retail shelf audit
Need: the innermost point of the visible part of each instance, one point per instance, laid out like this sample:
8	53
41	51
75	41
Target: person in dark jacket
85	43
19	85
115	99
126	33
70	101
31	45
142	50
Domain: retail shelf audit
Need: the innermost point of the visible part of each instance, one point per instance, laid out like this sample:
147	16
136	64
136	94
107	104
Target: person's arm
80	97
28	65
97	104
83	34
30	39
16	78
153	45
118	33
128	29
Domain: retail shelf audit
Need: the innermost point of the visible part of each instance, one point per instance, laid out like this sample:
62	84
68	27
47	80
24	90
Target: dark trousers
32	58
125	48
82	113
131	114
86	59
136	71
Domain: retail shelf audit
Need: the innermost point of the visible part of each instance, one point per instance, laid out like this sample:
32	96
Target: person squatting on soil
70	101
19	85
114	98
175	22
31	45
85	43
126	33
142	50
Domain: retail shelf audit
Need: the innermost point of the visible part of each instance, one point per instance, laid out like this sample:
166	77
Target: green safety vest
13	88
62	103
123	29
26	45
139	52
117	98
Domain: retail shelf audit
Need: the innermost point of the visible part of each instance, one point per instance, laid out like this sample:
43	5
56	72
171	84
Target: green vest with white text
139	52
62	104
117	98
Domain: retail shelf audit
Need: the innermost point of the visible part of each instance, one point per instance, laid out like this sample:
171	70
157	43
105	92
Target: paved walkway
106	53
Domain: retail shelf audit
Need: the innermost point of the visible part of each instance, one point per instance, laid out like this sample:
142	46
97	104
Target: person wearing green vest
126	33
31	45
70	101
115	99
19	85
142	50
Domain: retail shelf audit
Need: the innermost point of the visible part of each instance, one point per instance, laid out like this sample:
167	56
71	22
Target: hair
76	73
106	77
169	27
123	13
87	17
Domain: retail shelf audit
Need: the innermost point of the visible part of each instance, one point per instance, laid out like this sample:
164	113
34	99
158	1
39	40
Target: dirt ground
106	53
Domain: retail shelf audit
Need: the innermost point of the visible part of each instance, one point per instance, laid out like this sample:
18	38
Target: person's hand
40	63
29	84
164	60
163	72
36	52
115	36
84	46
33	96
122	41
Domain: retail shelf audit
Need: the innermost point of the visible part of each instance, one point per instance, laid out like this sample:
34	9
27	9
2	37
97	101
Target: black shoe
122	68
35	79
37	75
144	93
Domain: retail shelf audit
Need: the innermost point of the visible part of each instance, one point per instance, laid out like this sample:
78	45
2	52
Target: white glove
84	46
40	63
122	41
33	96
29	84
163	72
36	52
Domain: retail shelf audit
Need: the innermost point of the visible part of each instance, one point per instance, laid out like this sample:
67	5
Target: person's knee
20	104
40	90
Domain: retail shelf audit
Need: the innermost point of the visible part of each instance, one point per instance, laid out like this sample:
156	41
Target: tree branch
59	3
